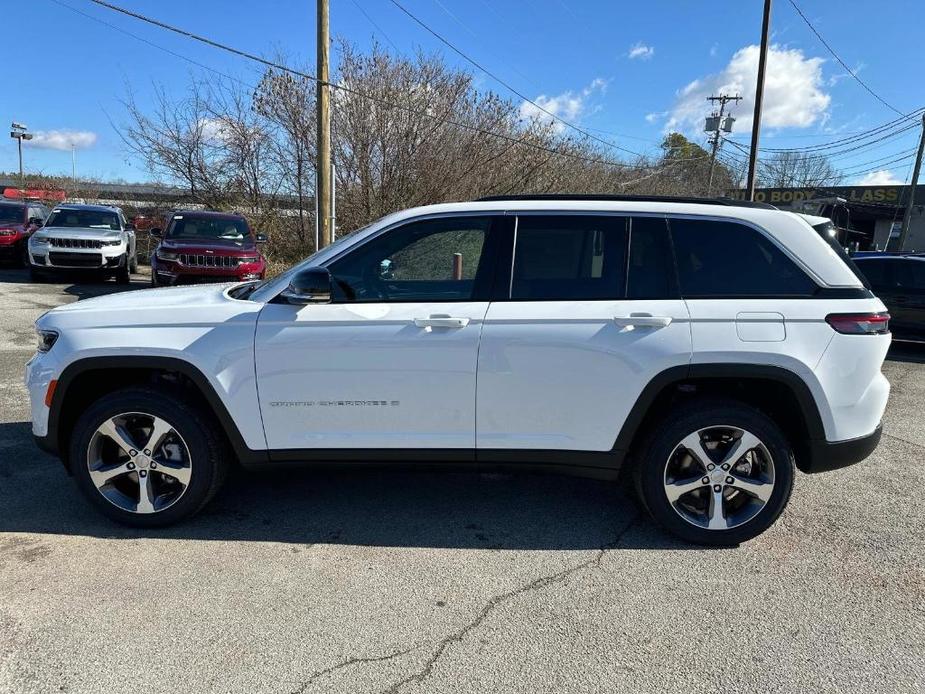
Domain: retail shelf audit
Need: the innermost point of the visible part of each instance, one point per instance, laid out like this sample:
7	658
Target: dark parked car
18	221
197	246
899	280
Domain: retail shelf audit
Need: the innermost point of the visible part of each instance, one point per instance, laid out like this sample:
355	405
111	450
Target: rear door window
650	269
721	259
569	257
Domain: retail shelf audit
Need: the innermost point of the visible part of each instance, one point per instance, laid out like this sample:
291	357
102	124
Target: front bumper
55	258
172	273
831	455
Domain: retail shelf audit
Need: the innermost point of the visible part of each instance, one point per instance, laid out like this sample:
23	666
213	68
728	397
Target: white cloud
879	178
640	51
568	105
714	49
63	139
794	95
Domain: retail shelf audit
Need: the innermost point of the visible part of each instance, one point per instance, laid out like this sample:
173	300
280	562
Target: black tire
123	275
208	452
651	464
22	258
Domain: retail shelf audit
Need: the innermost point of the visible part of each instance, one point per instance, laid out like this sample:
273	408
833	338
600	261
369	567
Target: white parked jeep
93	238
705	348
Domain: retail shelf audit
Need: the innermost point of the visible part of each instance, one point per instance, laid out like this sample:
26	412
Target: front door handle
441	321
646	321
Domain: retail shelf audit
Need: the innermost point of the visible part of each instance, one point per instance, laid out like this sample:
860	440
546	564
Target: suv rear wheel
717	473
146	458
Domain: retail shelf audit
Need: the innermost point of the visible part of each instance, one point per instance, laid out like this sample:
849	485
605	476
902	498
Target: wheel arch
779	392
87	379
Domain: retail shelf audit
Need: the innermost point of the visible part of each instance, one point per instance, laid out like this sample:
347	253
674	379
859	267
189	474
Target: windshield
194	227
12	213
87	219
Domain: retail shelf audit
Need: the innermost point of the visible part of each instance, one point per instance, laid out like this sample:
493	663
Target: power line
376	26
857	137
153	45
507	86
355	92
842	62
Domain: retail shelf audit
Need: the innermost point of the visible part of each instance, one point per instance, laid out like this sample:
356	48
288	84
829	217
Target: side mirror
260	238
310	286
155	232
129	226
35	221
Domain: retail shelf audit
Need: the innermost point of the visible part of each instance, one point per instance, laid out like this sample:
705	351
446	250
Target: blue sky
627	69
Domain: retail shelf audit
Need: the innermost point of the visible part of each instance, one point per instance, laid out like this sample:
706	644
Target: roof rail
730	202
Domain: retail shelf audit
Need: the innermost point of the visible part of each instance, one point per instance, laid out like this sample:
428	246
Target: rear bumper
831	455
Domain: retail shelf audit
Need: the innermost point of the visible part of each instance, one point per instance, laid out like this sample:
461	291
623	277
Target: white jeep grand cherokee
704	348
91	238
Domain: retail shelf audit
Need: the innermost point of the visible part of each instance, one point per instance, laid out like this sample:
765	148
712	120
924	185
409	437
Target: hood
150	319
218	246
194	296
80	233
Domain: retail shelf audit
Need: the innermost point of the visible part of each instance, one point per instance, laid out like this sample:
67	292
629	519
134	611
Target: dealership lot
387	582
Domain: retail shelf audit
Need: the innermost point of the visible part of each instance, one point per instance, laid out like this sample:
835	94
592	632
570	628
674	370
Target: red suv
18	221
198	246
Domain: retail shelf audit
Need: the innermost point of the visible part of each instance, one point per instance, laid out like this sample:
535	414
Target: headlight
112	243
242	261
46	339
166	255
38	240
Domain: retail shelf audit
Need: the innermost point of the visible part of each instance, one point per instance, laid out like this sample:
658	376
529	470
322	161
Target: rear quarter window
720	259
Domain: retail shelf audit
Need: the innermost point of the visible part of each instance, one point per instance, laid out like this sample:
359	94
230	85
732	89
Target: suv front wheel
717	473
146	458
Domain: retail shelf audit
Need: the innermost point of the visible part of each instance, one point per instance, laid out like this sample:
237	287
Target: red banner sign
35	194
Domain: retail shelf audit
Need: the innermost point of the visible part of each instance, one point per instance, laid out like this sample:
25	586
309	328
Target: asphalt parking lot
385	582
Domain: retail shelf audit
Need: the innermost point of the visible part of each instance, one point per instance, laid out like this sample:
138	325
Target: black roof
629	198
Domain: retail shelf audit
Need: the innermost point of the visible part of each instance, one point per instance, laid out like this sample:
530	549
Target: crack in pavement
494	602
897	438
347	663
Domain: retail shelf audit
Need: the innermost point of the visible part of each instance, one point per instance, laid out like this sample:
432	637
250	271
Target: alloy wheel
719	477
139	462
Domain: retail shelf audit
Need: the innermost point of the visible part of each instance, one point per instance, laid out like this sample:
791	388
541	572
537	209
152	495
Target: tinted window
12	213
191	226
717	258
431	260
876	272
650	272
909	275
569	257
94	219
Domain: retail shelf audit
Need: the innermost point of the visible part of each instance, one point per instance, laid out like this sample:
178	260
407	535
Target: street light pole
18	131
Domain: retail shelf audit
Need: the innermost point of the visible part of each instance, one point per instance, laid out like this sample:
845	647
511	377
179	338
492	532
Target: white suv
93	238
705	348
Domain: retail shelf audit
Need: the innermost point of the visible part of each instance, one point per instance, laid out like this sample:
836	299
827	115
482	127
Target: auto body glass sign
884	195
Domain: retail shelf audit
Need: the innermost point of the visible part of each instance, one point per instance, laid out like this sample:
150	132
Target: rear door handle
643	321
441	321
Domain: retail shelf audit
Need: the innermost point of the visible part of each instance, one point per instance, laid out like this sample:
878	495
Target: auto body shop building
868	217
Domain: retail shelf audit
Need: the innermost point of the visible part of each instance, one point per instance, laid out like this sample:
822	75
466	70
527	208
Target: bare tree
794	169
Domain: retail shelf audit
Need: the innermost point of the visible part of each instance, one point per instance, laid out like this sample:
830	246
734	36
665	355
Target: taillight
859	323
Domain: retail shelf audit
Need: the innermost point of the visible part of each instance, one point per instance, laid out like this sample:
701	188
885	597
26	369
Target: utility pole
73	164
18	131
910	200
323	164
717	125
759	97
